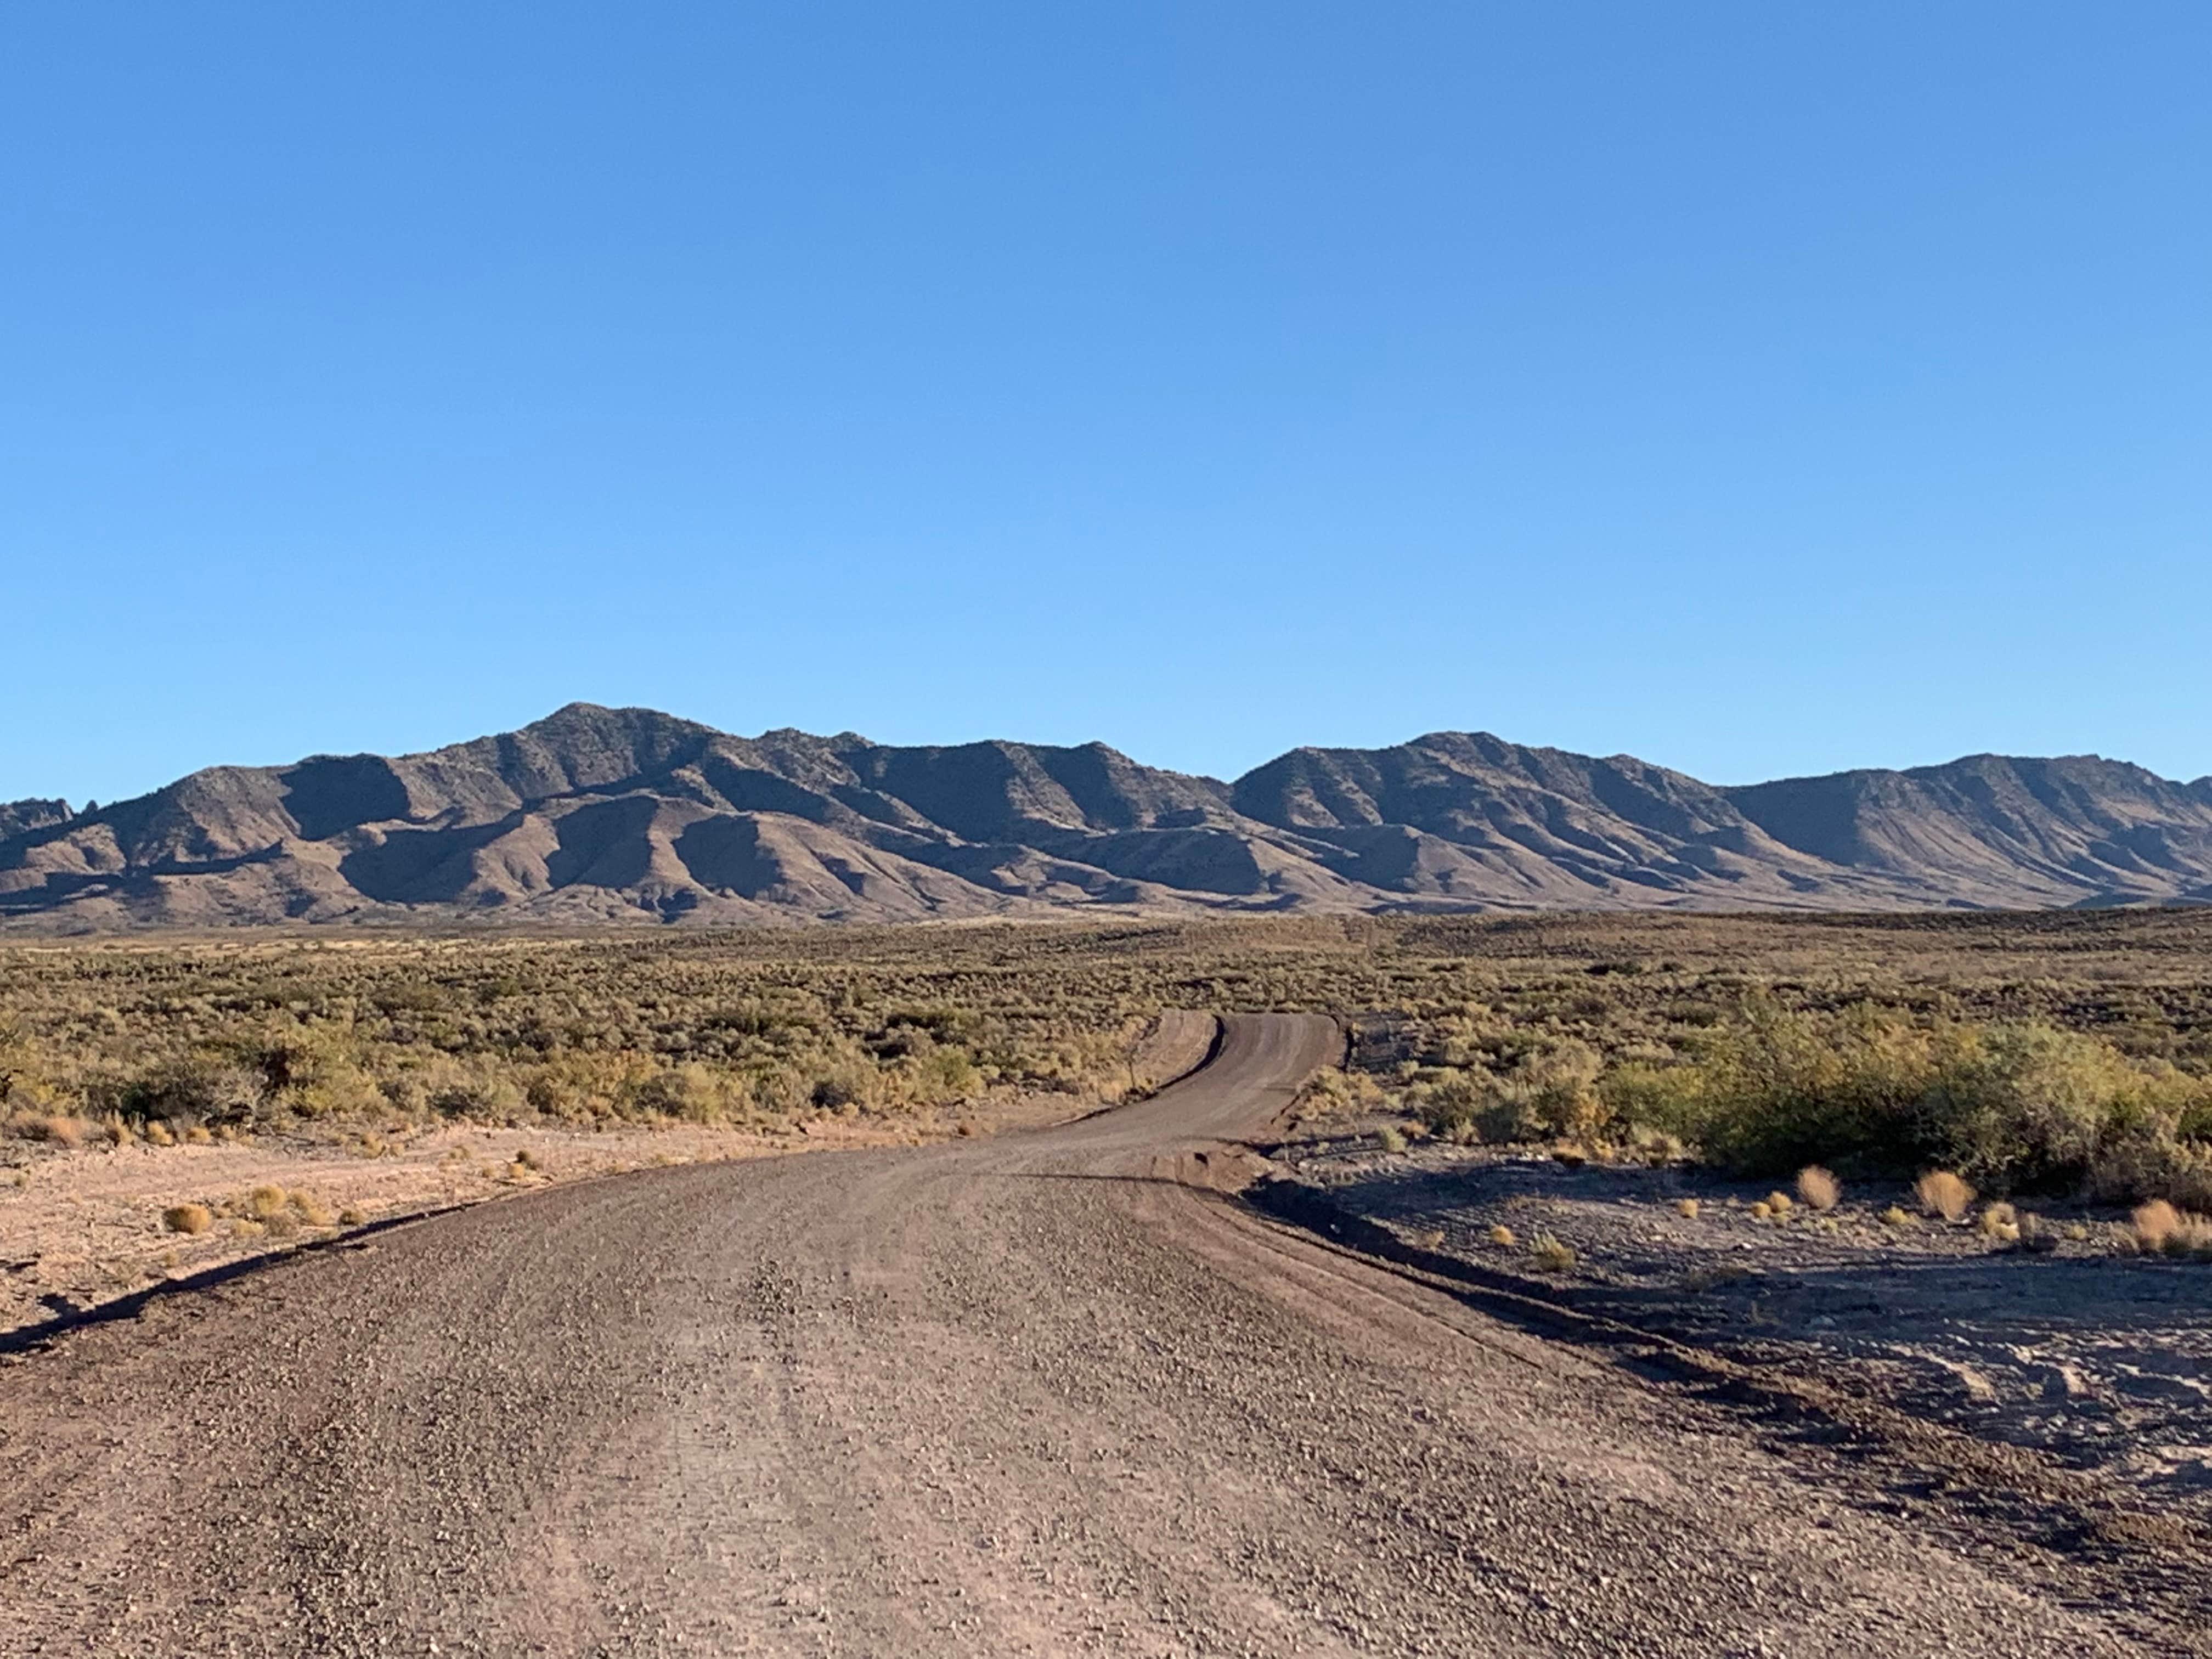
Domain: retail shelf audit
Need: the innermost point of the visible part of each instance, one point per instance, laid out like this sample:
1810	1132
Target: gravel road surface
1046	1393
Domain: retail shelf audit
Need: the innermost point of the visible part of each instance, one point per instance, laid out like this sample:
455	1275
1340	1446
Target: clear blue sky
1761	389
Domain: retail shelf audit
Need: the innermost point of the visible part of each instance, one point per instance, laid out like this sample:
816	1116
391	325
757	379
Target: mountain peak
595	815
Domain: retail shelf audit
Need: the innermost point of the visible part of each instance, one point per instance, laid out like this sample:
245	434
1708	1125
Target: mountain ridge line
595	815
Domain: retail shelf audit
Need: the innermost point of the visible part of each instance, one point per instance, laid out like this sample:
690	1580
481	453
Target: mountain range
595	815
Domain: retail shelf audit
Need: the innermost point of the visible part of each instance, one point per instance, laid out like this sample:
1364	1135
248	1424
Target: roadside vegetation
2025	1053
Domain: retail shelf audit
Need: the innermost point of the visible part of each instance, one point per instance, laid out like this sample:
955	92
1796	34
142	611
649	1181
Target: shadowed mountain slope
597	815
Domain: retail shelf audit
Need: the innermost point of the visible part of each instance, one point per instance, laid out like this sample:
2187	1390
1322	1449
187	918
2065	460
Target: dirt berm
1046	1394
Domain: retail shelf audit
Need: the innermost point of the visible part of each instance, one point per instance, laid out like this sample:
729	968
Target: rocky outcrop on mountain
18	815
596	815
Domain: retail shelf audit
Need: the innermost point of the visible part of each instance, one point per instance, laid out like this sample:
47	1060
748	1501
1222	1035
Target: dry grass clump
1551	1254
1820	1189
2160	1229
2155	1223
1896	1216
1778	1203
55	1128
1686	1208
1391	1138
352	1216
265	1203
310	1209
192	1218
1762	1211
1944	1194
1501	1236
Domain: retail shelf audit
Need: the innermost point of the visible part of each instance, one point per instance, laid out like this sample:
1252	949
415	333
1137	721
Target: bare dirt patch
2079	1350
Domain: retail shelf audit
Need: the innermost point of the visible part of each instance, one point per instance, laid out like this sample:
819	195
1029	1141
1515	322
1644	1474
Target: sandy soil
1048	1394
83	1227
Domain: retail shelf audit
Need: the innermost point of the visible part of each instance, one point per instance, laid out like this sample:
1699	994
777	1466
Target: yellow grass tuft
2156	1222
193	1218
265	1203
157	1134
1942	1194
198	1135
1761	1211
1818	1188
1686	1208
1996	1220
1896	1216
1778	1203
311	1209
1552	1254
2160	1228
1502	1236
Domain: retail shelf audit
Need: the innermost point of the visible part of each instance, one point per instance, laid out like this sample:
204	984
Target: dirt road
1039	1395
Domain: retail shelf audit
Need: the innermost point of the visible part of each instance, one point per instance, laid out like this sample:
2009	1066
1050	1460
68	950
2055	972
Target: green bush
2014	1105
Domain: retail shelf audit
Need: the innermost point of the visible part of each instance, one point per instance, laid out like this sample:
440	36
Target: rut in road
1032	1396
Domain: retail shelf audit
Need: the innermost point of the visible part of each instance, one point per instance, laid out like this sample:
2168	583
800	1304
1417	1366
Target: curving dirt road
1044	1395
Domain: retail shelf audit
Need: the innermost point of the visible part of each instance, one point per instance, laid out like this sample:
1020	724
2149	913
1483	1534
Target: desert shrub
1942	1194
941	1074
1550	1092
200	1089
2022	1106
1562	1082
1333	1090
693	1092
1454	1100
1818	1188
187	1217
2154	1166
1638	1094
